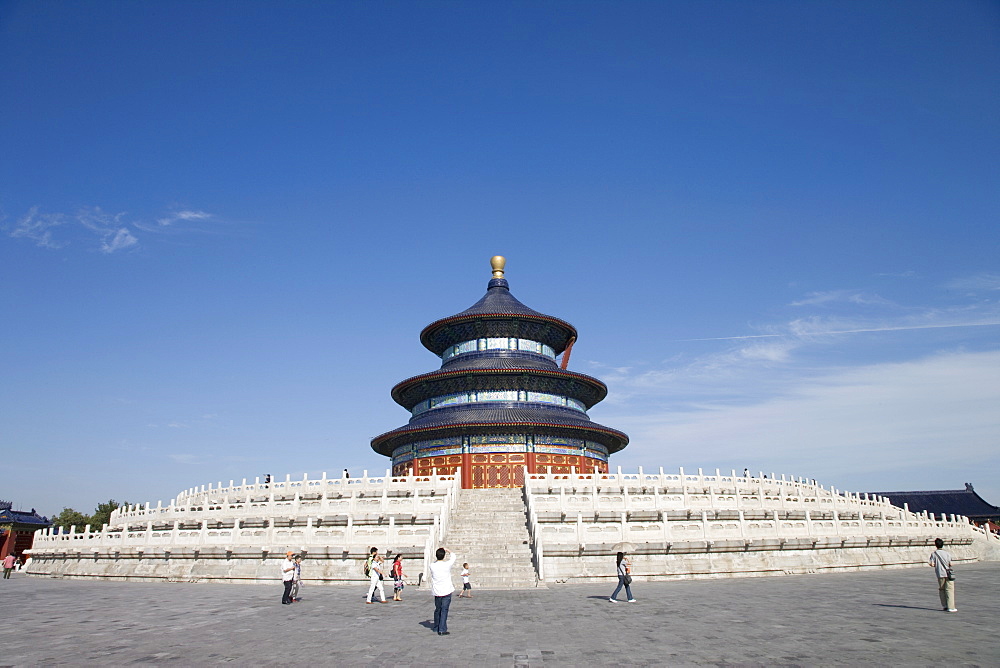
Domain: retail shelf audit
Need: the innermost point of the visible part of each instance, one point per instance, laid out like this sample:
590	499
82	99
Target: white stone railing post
450	500
535	534
428	558
540	560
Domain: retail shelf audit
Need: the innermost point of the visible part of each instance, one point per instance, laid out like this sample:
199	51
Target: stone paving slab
887	617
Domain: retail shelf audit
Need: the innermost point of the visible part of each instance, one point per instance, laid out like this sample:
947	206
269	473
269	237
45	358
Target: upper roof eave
426	335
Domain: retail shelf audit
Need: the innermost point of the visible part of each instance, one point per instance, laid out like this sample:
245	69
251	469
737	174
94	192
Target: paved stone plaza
882	617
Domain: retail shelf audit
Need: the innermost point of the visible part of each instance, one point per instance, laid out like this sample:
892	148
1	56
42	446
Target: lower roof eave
613	440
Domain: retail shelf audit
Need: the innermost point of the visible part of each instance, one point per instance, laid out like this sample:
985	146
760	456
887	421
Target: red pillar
8	541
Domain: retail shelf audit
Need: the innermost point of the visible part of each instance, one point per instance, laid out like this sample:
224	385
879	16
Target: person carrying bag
941	561
624	569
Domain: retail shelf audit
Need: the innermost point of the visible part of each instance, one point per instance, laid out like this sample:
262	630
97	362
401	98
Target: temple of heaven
499	402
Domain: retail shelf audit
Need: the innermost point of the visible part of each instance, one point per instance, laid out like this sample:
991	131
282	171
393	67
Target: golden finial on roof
498	262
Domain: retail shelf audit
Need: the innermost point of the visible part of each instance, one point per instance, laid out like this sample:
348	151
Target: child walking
466	587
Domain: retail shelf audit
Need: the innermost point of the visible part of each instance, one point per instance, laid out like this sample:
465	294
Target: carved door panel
498	469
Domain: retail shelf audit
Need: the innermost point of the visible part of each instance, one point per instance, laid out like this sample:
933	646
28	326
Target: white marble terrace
324	518
706	525
729	523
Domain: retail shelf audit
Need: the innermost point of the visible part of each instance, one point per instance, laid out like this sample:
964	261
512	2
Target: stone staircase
489	530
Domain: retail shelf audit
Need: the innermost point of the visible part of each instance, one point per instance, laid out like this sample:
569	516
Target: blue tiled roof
447	380
506	412
20	517
498	300
950	502
499	359
503	416
498	313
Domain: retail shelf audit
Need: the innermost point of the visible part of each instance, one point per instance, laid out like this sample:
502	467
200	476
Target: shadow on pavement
909	607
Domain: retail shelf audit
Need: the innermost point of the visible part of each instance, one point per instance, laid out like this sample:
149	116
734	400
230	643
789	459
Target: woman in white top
624	568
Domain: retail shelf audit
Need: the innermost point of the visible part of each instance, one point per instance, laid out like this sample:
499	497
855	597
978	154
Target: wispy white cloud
120	240
861	311
38	228
871	419
841	296
110	228
750	364
183	215
737	373
112	232
899	274
805	396
976	283
983	314
817	326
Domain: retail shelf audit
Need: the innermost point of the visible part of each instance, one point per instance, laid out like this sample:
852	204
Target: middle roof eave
412	391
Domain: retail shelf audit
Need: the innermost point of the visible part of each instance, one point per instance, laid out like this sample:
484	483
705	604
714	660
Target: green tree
102	514
70	518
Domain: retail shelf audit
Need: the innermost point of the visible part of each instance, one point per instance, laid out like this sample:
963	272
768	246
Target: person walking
366	569
375	577
8	565
297	580
941	561
397	578
287	577
442	588
624	569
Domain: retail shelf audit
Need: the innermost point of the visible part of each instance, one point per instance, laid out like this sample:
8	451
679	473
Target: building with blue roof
965	502
17	529
500	401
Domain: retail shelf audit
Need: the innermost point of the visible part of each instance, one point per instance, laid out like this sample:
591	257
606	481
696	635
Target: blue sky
225	224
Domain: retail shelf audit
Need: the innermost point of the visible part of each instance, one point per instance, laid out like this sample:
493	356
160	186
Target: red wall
499	469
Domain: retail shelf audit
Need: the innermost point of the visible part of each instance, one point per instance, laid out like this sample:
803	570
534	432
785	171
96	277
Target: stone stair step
488	529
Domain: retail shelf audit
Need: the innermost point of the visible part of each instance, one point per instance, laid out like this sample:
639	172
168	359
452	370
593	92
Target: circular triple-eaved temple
500	401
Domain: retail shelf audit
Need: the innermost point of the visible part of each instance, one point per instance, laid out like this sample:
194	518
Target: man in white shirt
442	588
287	577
